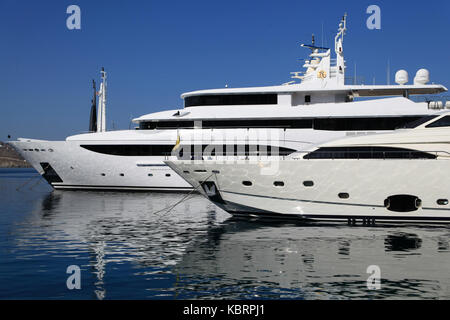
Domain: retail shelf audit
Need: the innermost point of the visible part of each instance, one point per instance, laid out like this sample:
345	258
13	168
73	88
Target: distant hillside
9	158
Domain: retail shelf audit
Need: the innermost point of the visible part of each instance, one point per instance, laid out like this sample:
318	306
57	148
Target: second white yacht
391	177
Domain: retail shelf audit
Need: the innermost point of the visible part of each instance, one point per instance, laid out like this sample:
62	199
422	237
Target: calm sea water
126	249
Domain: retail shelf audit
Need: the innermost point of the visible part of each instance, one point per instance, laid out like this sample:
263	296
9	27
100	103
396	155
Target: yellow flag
177	144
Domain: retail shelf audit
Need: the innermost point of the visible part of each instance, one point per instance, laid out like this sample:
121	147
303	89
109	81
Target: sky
153	51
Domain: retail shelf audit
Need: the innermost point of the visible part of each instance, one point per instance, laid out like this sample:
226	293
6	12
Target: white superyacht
402	176
316	106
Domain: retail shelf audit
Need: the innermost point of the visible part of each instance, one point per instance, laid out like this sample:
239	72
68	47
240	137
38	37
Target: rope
29	180
171	207
34	185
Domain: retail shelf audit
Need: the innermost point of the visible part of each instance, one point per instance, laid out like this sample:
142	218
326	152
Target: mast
320	69
93	117
339	49
101	124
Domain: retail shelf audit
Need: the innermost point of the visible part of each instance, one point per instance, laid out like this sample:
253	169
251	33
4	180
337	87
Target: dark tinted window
418	122
131	150
331	124
207	124
355	124
367	153
161	150
442	122
234	150
230	99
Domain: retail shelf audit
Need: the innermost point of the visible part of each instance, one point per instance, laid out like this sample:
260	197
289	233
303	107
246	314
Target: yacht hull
335	190
66	165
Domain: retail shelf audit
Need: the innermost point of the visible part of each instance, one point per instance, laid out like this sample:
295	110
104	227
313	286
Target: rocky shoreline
9	158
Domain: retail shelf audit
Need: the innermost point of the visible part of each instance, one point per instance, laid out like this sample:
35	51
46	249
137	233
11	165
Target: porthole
344	195
200	170
167	174
185	171
122	175
442	202
37	150
278	184
150	174
308	183
50	150
247	183
103	174
215	171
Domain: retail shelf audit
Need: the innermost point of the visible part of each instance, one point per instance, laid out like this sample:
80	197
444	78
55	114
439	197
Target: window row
230	99
206	150
307	183
37	150
330	124
122	174
367	153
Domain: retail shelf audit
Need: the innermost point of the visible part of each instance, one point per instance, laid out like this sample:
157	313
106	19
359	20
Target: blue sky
155	50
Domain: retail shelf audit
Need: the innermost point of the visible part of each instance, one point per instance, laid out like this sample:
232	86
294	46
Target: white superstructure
244	121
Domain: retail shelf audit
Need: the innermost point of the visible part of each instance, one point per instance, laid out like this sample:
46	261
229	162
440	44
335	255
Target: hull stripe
304	200
67	186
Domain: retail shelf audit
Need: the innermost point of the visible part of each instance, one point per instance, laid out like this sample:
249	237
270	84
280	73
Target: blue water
126	249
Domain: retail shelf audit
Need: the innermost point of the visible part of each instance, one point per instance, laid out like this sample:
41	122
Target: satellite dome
422	77
401	77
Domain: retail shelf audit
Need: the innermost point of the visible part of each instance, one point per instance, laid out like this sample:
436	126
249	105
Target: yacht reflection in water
117	228
211	255
315	262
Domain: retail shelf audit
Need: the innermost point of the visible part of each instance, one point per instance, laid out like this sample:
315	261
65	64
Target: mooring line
171	207
38	176
28	181
34	185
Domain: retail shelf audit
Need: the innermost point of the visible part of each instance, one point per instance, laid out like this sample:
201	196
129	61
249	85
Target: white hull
79	168
367	182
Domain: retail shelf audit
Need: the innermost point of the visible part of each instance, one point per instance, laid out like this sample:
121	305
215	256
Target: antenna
388	72
322	33
313	46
